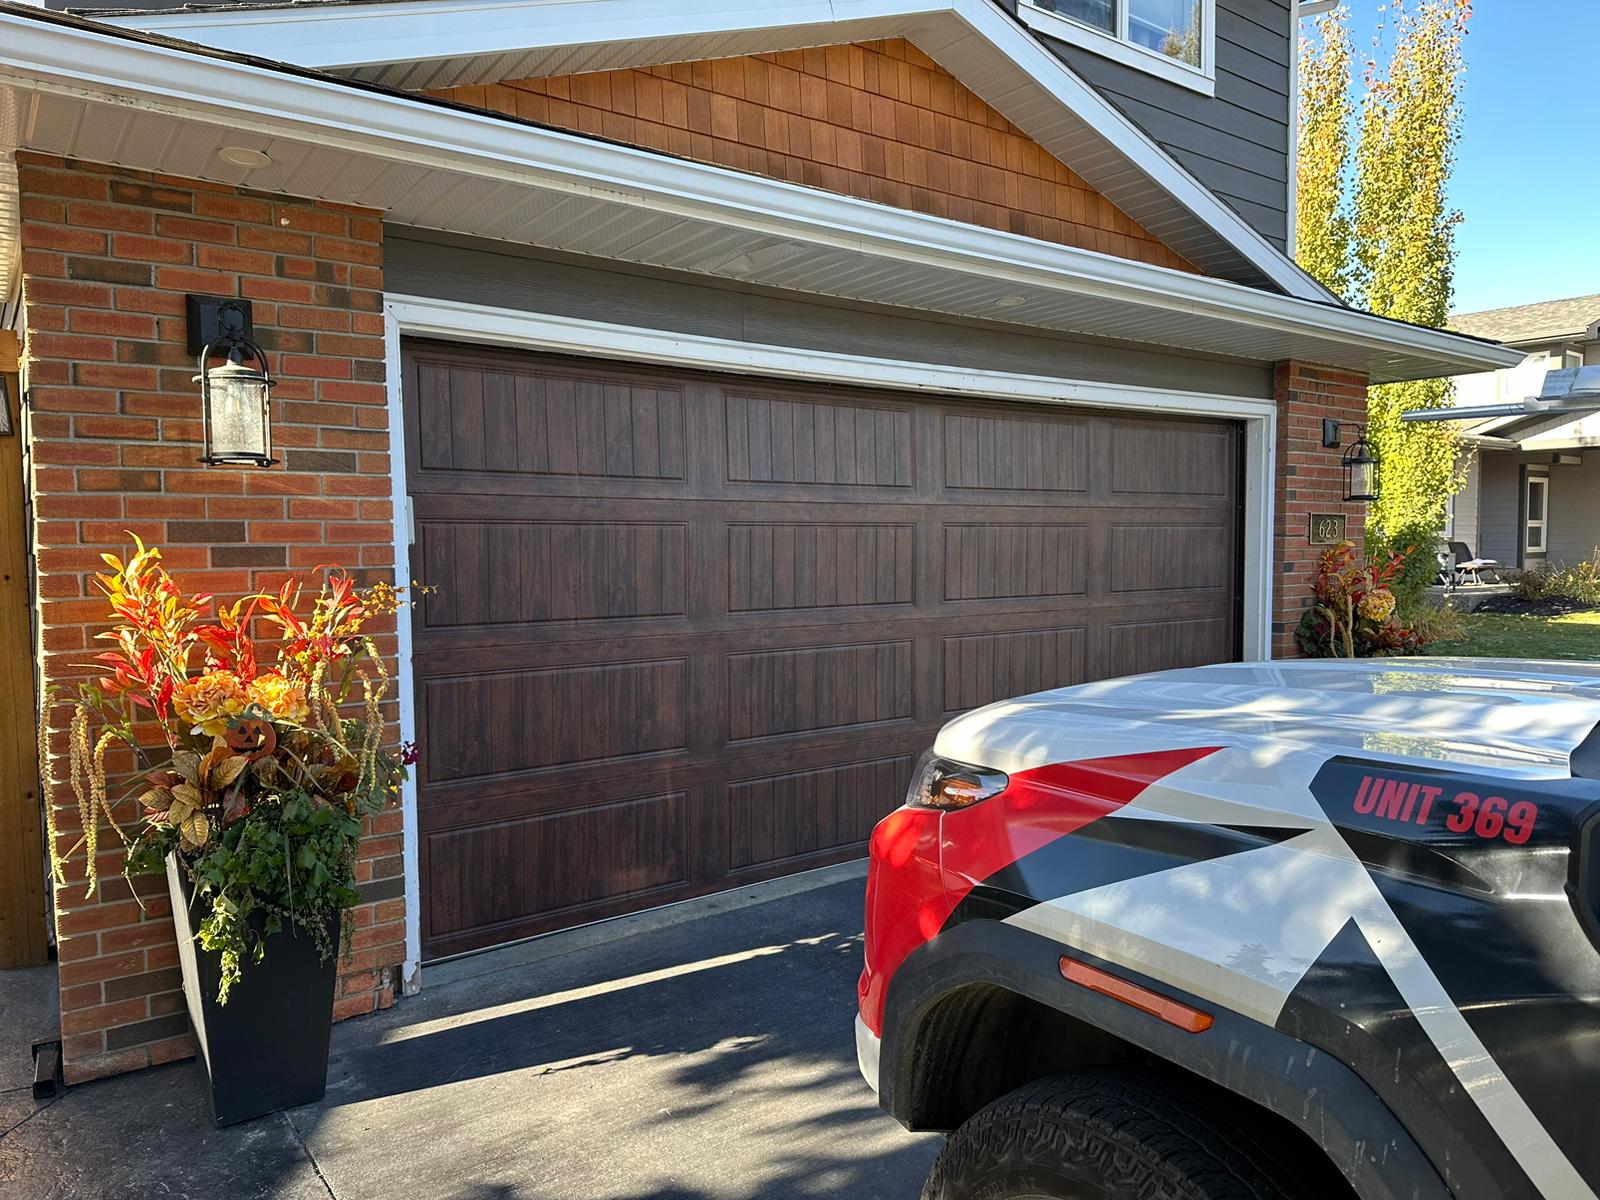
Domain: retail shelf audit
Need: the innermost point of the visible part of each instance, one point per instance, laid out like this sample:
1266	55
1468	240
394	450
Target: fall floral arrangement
264	776
1352	614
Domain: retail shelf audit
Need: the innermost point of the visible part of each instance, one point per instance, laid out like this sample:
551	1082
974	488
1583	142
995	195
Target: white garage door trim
414	316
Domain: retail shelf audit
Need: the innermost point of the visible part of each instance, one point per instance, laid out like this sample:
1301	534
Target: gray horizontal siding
1572	530
1574	533
1466	523
1236	143
450	268
1498	508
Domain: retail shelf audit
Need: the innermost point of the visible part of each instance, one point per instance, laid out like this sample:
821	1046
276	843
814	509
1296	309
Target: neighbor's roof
1548	319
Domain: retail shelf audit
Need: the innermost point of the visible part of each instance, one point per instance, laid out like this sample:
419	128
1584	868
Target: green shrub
1415	544
1532	585
1580	583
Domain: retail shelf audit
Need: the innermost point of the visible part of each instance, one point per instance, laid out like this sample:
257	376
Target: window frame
1119	48
1529	524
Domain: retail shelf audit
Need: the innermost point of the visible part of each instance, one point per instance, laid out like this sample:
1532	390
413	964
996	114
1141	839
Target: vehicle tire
1107	1135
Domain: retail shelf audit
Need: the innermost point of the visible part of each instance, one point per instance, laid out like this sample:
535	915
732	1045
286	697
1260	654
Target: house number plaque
1327	529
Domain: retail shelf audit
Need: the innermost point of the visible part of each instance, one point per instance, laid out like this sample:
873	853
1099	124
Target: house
1532	490
759	384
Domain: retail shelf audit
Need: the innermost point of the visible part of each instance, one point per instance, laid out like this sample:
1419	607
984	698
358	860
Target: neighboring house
758	384
1532	493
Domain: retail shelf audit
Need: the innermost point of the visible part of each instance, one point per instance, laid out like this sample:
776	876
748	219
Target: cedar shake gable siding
880	121
114	434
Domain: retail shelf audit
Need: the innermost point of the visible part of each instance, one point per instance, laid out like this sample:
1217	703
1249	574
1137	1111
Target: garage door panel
495	418
980	668
819	688
778	817
459	803
1171	558
592	643
693	631
551	571
1167	462
1158	645
1014	561
579	857
990	452
823	443
510	722
780	567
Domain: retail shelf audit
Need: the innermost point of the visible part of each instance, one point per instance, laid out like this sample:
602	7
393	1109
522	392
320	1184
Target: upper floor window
1170	38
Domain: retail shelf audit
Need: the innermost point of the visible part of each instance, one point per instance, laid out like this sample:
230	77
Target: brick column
1309	480
114	436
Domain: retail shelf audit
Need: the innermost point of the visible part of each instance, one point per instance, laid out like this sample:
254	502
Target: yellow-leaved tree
1374	224
1327	108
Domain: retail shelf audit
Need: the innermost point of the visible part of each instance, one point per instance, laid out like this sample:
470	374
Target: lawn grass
1574	636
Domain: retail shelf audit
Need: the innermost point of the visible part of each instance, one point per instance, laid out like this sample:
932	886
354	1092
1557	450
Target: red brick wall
1310	479
115	426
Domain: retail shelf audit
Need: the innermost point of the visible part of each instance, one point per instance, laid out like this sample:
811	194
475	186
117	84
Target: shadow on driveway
711	1059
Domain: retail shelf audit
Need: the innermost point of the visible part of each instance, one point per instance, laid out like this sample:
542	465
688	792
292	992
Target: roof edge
80	59
408	31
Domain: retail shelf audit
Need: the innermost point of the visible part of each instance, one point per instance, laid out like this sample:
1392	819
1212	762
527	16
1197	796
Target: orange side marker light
1173	1012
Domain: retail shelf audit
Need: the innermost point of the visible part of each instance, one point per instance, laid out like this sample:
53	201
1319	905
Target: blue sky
1527	173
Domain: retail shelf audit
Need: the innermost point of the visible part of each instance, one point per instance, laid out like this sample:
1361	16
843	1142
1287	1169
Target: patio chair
1469	567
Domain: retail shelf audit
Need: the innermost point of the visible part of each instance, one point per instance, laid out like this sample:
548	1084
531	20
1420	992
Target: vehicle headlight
943	783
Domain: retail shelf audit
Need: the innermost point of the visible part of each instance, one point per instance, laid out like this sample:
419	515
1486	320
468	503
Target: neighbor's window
1536	502
1171	38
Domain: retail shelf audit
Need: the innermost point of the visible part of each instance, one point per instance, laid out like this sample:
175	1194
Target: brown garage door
693	631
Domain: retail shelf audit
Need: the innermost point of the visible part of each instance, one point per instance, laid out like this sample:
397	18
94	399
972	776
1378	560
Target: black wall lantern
235	398
1359	463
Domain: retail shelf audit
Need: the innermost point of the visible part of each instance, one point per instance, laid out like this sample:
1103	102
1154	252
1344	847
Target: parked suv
1305	929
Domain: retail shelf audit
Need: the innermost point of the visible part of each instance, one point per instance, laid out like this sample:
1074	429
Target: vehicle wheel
1106	1135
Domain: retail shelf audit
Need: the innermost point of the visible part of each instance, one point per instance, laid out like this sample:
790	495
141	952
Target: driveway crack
310	1157
5	1133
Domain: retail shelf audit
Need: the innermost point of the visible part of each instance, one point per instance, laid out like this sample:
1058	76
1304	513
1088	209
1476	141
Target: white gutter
1574	390
107	69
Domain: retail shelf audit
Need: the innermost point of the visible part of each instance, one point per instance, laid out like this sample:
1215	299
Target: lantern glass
1360	472
238	418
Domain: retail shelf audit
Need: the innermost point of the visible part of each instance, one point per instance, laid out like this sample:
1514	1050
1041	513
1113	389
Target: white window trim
415	316
1119	48
1543	523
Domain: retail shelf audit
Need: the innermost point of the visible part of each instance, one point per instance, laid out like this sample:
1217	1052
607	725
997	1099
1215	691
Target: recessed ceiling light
243	156
1010	301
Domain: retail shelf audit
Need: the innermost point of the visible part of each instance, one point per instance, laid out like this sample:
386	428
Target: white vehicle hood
1516	716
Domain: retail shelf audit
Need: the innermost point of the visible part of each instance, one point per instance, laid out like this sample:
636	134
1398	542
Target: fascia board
396	128
441	29
374	34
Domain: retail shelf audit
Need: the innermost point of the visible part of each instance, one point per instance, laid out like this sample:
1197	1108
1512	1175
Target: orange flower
207	701
283	698
1378	605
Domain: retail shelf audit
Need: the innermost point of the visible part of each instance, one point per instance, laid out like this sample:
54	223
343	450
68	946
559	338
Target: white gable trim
418	44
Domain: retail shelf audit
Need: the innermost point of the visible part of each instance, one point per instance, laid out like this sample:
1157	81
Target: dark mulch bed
1550	606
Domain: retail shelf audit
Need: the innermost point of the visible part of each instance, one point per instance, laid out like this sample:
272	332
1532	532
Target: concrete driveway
704	1051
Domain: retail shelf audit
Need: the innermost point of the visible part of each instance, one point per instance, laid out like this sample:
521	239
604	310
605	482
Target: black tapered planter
267	1048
